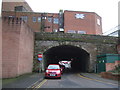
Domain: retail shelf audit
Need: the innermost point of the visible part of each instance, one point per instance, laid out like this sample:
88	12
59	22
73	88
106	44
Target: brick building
82	22
17	45
18	24
14	5
34	20
67	21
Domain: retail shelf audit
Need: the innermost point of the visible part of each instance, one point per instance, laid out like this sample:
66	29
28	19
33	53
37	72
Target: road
75	80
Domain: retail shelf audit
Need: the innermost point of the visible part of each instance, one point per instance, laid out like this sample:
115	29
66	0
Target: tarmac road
75	80
68	80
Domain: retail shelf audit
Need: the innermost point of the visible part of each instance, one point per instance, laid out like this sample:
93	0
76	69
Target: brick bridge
19	43
81	49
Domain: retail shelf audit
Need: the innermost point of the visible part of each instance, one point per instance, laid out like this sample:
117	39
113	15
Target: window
55	30
39	19
49	19
71	31
20	8
25	18
34	19
79	16
56	20
53	67
81	32
98	21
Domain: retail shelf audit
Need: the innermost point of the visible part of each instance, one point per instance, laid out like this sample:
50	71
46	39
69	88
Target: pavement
24	81
97	77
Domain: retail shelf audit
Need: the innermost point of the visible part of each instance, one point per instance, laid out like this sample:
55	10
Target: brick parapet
76	37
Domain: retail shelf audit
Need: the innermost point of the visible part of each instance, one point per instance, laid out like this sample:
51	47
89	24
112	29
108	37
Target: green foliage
117	68
36	66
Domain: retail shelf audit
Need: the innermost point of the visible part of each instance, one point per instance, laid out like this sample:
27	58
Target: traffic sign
39	59
40	55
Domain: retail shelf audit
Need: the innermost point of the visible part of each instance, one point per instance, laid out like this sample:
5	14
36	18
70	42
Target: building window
34	19
98	21
81	32
49	19
25	18
56	20
39	19
55	30
20	9
71	31
79	16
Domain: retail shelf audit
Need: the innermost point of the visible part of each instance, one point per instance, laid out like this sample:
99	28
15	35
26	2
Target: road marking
39	85
34	84
96	80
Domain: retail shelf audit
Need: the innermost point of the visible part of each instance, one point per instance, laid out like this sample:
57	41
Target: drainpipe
119	23
0	46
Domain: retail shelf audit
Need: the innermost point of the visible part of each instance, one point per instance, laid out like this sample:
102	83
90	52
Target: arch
44	46
79	58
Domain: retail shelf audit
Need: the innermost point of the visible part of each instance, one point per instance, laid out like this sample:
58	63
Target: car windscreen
53	67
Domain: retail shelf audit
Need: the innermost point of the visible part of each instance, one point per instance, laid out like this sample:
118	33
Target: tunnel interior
79	58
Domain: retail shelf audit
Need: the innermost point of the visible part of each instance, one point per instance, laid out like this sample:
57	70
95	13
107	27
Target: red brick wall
111	66
88	24
9	6
17	49
10	42
26	47
36	26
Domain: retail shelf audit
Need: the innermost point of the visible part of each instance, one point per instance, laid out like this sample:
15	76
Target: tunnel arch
79	57
43	46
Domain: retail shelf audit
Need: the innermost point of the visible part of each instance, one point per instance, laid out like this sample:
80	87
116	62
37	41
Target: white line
96	80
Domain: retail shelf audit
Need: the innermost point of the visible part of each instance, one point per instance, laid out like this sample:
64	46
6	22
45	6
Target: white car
67	64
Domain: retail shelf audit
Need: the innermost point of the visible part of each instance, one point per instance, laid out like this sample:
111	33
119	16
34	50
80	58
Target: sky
107	9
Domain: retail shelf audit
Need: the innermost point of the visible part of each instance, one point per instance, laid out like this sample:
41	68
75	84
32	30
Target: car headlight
46	71
58	71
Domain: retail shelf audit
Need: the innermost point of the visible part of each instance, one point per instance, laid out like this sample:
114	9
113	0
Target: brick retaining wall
17	53
109	75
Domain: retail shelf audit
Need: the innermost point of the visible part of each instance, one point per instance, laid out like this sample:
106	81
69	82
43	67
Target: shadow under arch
79	58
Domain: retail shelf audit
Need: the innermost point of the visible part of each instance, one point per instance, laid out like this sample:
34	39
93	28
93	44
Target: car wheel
45	77
59	77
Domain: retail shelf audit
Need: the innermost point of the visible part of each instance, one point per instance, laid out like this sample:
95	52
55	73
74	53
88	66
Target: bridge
55	47
80	49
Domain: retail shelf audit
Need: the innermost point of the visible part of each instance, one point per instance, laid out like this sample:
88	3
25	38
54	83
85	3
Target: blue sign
39	59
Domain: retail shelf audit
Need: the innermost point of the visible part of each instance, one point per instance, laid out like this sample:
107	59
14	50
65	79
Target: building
14	5
17	40
17	48
82	22
39	22
67	21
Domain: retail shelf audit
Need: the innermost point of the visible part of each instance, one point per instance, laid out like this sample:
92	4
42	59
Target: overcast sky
107	9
